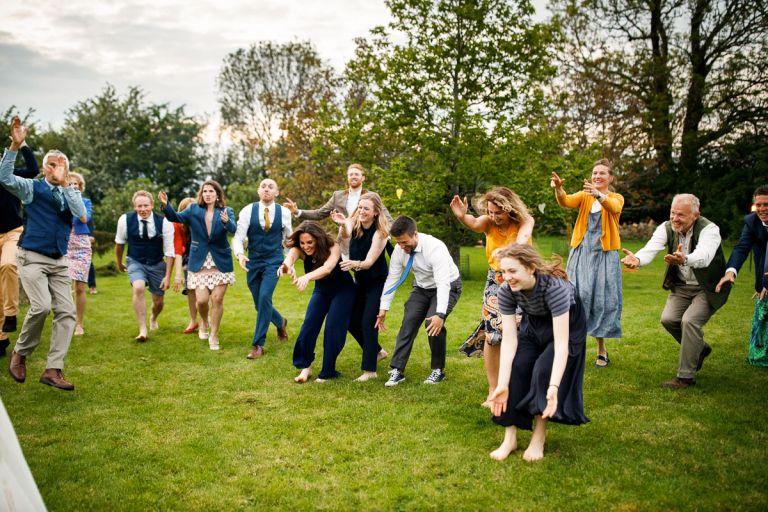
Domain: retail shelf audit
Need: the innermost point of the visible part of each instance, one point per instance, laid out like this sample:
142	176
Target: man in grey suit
344	201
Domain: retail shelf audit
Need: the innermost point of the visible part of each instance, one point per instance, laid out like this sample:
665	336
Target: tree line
456	96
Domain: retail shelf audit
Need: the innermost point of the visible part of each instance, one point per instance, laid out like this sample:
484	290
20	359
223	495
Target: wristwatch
441	315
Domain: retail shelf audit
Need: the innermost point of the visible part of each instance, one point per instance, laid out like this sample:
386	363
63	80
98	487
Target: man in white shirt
695	262
264	225
150	257
436	289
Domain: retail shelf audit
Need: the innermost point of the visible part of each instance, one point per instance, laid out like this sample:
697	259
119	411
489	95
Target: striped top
549	296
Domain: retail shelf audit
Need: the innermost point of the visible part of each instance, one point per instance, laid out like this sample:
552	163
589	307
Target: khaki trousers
9	276
684	316
49	288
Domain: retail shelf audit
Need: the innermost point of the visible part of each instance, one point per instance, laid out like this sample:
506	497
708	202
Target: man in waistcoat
150	257
10	232
263	226
695	264
49	205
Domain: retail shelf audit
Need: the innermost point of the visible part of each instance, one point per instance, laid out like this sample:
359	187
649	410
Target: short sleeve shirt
549	296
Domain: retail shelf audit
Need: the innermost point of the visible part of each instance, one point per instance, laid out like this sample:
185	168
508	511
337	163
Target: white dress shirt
701	257
353	197
244	222
432	268
121	237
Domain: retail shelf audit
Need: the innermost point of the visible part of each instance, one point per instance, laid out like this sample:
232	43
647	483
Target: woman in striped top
542	367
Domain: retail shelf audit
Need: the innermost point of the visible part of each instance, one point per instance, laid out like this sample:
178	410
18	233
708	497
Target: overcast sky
56	53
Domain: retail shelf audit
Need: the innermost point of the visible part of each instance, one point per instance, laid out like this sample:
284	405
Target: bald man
263	226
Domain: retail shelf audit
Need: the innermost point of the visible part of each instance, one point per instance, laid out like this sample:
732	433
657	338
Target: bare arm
525	231
377	246
460	208
119	248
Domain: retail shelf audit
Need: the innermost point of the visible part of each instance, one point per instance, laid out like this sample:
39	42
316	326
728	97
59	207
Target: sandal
604	359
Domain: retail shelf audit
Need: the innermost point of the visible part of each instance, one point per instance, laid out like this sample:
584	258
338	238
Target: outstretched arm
460	208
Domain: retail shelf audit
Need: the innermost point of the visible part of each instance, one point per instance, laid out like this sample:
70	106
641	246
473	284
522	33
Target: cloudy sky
54	54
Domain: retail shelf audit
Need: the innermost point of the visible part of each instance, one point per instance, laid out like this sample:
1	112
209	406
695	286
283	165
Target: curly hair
530	258
507	201
323	241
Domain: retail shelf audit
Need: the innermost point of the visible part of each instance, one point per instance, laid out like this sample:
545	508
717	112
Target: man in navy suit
754	237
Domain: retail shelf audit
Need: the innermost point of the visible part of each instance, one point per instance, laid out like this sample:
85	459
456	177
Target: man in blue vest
264	225
49	205
695	263
150	257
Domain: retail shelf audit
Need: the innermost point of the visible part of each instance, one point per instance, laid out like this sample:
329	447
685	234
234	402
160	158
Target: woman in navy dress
331	299
210	256
369	231
542	367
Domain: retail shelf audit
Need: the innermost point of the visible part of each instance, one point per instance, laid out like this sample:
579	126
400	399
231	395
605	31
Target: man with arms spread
436	289
695	262
49	205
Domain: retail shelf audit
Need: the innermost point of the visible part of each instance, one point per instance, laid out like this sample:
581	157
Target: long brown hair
323	241
220	202
509	202
381	221
530	258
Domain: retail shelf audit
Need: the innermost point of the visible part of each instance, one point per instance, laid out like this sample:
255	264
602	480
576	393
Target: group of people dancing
535	315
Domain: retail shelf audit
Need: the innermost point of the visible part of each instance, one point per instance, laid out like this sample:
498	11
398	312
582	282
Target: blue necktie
403	275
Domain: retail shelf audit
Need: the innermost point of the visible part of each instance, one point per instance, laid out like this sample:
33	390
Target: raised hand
630	260
163	198
18	133
590	189
459	207
556	181
338	217
290	205
677	257
224	216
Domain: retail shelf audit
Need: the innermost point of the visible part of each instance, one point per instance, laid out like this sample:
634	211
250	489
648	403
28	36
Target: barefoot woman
542	370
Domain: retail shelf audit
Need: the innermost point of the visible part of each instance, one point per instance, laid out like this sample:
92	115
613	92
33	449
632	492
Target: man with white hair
49	205
695	264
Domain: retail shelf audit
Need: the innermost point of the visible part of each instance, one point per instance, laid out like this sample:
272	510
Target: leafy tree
120	139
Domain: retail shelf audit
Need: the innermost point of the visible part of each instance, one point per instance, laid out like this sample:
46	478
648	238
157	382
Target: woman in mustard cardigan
593	262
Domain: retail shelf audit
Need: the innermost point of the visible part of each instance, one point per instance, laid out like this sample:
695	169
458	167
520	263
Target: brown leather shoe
282	334
679	383
54	377
18	367
256	352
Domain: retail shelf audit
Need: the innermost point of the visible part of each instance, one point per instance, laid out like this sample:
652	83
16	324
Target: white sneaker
435	377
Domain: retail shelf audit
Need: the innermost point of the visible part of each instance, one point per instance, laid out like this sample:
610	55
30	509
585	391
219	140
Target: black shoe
435	377
10	324
679	383
4	344
395	378
704	353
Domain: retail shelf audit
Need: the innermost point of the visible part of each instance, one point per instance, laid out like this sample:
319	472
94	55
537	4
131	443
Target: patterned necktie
57	199
266	219
144	230
403	275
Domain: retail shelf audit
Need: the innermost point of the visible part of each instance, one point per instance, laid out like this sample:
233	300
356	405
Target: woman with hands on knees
331	299
210	256
593	263
368	229
542	367
506	220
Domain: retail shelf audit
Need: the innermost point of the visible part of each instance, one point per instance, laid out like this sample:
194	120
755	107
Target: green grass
170	425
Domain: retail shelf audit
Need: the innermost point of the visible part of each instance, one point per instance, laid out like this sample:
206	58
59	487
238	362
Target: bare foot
79	330
366	376
142	337
202	332
153	326
534	452
382	355
303	376
503	451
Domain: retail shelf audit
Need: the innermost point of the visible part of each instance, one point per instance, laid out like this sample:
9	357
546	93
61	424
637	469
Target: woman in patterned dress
210	256
593	262
506	220
79	253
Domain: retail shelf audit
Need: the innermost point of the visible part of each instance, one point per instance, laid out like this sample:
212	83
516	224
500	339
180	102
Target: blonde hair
142	193
508	201
184	203
80	180
530	258
381	221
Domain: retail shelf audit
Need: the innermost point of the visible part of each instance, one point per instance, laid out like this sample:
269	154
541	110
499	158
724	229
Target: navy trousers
363	321
262	283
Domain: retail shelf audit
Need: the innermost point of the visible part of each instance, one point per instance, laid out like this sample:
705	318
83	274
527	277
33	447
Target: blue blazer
754	237
217	244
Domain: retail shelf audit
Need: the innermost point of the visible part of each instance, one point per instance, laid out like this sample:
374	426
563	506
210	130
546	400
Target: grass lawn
170	425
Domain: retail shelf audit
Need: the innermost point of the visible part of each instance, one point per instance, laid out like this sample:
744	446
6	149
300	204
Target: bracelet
554	386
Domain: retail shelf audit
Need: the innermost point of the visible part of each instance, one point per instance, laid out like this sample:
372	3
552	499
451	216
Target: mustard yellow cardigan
612	206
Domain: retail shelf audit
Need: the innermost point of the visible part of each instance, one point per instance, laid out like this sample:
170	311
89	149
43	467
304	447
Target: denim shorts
152	275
